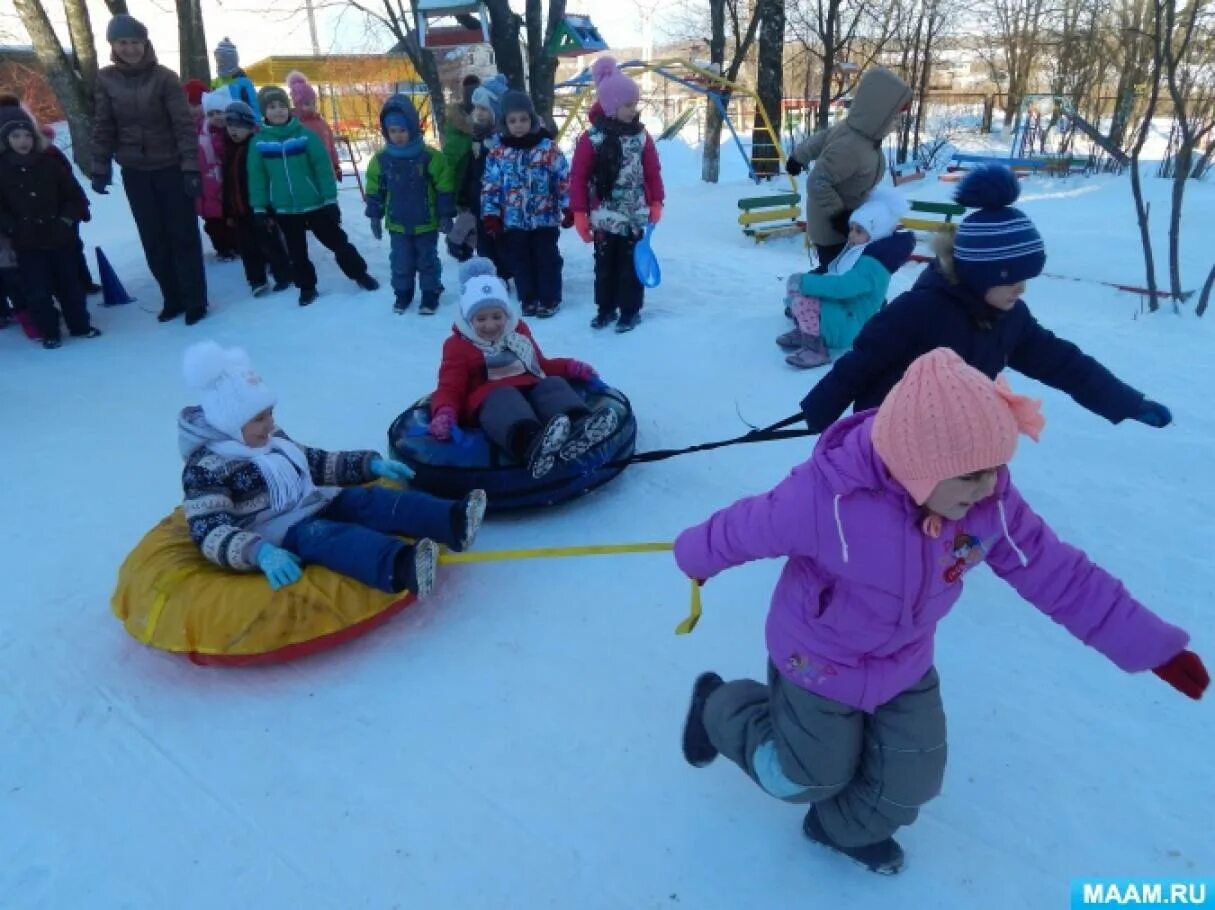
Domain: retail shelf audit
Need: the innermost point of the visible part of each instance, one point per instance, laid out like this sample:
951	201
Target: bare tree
1155	73
505	26
769	87
192	41
1079	64
1131	57
743	22
1204	299
541	62
80	32
925	22
1019	28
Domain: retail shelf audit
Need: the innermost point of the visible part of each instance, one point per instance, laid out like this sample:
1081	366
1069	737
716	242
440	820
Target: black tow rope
765	434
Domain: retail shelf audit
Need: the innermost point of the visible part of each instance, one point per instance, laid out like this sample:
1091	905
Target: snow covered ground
513	742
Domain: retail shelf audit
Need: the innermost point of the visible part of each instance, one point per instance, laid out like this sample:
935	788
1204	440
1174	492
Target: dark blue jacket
936	313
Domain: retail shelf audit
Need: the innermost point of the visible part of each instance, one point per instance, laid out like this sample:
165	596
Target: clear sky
260	28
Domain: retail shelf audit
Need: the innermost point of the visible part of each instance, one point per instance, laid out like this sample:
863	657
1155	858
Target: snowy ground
513	742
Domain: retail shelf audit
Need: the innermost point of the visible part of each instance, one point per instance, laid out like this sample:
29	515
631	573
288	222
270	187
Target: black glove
793	166
193	184
334	212
100	182
839	221
1154	414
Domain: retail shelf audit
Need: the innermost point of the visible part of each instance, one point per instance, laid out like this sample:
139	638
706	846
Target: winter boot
885	857
794	339
367	283
195	316
813	353
88	333
698	751
603	320
402	303
628	322
466	518
530	308
589	432
542	453
260	290
308	296
415	567
548	310
168	314
430	302
280	286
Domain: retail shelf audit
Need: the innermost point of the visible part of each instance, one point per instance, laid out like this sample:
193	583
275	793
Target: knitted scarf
610	155
411	149
510	349
282	464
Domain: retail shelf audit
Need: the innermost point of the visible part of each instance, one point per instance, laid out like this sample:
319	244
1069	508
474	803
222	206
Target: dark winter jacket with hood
227	501
40	201
142	119
848	156
936	313
408	185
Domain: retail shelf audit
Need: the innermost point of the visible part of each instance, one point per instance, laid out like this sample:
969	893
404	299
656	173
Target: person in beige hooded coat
848	159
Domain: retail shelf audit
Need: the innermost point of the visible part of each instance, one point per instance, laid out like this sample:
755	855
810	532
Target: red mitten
493	225
567	218
1186	674
655	212
441	423
582	224
583	372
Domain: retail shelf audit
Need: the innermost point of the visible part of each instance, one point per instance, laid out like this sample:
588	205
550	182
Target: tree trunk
770	88
710	162
65	82
1205	297
504	26
80	32
829	51
200	62
1143	210
542	65
1181	174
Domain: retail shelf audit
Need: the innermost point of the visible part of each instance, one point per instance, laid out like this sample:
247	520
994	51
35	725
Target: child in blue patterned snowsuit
410	186
525	201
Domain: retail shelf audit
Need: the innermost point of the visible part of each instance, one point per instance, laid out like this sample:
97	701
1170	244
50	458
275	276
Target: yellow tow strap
449	558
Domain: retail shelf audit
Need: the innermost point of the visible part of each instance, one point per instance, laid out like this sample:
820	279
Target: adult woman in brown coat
143	122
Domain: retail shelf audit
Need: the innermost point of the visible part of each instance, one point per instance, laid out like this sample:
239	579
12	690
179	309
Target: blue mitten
390	469
596	384
1154	414
281	567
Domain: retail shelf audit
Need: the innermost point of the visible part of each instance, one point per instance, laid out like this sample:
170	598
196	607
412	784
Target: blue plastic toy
645	263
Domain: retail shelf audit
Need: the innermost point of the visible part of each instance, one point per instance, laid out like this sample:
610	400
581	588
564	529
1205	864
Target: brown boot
813	353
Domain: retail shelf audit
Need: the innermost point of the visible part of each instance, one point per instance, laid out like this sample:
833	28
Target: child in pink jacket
879	528
303	98
212	142
615	192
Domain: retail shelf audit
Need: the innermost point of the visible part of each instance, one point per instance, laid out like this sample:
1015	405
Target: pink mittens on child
583	372
441	423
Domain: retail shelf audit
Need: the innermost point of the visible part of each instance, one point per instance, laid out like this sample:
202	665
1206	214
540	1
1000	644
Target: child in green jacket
409	185
831	308
291	181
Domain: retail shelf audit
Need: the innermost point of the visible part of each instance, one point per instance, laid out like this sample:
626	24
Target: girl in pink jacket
212	141
879	528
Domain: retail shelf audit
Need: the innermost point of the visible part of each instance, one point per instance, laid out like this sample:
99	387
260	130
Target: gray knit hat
227	60
124	26
240	114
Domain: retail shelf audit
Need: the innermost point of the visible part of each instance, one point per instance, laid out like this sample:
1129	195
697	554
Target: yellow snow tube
169	596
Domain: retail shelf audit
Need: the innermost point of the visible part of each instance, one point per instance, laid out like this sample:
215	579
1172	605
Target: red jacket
584	161
464	385
317	124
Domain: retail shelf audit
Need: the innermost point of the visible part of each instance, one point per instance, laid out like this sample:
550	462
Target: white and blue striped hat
998	244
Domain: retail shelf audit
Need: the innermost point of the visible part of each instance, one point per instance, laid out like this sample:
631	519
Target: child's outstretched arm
887	341
781	522
337	469
1044	356
1082	597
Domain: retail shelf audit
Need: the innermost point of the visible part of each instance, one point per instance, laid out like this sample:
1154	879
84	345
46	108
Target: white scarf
508	343
847	258
282	463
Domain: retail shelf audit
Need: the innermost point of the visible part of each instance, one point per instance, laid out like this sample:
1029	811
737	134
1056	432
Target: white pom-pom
205	362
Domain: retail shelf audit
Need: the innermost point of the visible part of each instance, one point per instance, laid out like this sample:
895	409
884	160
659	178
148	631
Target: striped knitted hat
998	244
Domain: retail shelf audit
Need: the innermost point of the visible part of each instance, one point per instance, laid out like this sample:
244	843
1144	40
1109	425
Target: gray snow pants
867	774
511	417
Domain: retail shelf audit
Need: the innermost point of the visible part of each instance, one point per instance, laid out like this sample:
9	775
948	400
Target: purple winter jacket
855	611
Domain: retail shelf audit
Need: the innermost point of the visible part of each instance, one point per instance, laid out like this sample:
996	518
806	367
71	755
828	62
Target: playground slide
1095	136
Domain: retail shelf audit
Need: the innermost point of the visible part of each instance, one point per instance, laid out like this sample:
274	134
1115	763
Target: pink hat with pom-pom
301	89
945	419
612	87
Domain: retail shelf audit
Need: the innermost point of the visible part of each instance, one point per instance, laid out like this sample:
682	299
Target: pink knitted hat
945	419
612	87
301	89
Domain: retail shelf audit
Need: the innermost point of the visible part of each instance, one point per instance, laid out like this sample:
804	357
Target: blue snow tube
451	469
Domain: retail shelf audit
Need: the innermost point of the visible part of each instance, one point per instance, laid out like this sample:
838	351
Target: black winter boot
885	857
698	751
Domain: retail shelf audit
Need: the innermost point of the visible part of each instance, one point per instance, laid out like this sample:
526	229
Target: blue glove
377	229
281	567
596	384
1154	414
390	469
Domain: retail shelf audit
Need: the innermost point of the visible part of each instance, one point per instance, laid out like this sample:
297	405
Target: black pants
330	235
168	231
493	250
616	284
826	253
223	237
259	249
49	275
82	259
536	263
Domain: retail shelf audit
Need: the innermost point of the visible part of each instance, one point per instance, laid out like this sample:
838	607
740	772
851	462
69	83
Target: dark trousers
223	236
260	248
354	535
616	284
494	250
414	258
50	275
536	263
511	417
82	262
826	253
12	290
168	231
329	234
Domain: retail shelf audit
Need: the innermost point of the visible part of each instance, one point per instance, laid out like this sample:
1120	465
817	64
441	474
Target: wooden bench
762	217
1019	166
946	211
